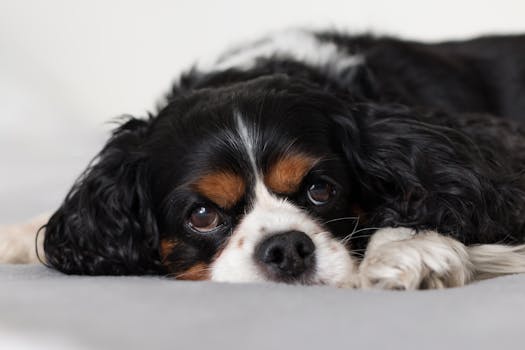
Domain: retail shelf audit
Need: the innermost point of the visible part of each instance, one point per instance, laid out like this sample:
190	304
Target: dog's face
248	184
244	183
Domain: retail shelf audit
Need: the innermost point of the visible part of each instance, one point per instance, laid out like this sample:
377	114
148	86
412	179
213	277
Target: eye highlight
320	192
204	218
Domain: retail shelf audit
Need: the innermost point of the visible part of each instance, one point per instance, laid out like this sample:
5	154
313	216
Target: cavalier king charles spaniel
314	158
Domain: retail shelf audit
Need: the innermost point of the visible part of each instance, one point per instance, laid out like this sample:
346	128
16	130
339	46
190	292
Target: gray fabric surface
148	312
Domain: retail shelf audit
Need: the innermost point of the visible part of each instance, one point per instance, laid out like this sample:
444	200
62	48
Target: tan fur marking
198	272
223	188
286	174
166	247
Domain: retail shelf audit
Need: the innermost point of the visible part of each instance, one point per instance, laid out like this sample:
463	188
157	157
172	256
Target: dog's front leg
400	258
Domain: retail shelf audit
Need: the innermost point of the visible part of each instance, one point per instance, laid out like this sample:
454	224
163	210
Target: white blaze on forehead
298	45
248	139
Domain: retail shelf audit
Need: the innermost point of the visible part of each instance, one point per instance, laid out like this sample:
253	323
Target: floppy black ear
423	170
106	224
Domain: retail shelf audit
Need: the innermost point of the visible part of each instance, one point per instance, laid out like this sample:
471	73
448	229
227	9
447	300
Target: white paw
403	260
17	242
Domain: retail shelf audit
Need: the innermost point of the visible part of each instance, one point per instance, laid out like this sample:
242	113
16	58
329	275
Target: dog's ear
417	168
106	226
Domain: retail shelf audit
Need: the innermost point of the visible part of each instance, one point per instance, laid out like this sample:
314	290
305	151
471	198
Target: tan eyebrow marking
224	188
287	173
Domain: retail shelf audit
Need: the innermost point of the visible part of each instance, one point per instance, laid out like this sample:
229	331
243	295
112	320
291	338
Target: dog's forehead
280	163
219	147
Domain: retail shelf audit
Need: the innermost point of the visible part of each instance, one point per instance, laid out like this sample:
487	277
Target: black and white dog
315	158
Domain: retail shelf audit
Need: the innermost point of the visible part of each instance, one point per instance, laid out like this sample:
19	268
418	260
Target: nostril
274	255
304	249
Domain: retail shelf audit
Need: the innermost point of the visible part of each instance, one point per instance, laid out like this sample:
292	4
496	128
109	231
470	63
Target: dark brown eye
320	193
204	219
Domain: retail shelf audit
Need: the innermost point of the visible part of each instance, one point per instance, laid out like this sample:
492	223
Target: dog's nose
286	256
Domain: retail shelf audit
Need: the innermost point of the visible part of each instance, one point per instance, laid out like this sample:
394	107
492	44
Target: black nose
286	256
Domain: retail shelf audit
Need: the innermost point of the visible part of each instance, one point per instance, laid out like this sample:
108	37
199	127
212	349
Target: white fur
249	140
491	260
17	242
397	258
298	45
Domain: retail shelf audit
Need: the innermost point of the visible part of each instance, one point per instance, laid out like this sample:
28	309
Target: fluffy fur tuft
491	260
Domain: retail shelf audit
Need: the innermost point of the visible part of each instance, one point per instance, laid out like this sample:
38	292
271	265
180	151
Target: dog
315	158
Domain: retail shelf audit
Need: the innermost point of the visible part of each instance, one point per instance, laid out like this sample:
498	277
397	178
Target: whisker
348	239
368	229
351	235
342	219
353	230
355	226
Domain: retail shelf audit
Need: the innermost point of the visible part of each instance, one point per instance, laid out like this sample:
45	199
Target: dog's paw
399	259
17	242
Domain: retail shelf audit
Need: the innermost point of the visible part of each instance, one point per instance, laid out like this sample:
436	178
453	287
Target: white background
67	67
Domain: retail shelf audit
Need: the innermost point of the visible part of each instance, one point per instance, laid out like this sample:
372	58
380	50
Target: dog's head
243	183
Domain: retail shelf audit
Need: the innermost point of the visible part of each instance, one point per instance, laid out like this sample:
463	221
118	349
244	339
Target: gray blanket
40	308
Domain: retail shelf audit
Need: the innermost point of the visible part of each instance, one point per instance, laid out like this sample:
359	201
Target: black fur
407	136
106	224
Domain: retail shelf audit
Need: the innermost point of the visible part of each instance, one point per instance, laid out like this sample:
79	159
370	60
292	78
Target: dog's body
278	161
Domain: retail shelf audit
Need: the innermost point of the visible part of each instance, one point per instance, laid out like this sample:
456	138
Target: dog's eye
204	219
320	193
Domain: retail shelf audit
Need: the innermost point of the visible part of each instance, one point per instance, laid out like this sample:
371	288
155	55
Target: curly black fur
437	171
105	223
